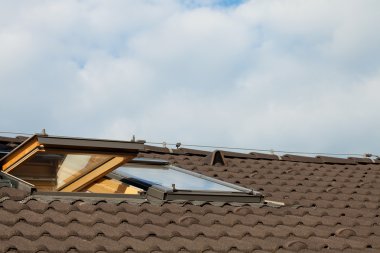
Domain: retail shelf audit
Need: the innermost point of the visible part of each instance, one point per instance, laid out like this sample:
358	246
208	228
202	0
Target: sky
289	75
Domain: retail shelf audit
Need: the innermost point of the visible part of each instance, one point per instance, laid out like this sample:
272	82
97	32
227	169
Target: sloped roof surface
331	205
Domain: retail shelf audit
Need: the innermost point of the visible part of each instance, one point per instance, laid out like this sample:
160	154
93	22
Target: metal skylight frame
157	191
119	151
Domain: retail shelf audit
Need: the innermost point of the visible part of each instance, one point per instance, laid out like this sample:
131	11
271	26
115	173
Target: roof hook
43	132
178	144
133	138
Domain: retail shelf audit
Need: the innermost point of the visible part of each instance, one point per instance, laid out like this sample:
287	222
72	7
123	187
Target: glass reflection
74	166
165	176
51	171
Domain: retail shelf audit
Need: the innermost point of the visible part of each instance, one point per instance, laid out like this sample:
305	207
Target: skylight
66	164
165	181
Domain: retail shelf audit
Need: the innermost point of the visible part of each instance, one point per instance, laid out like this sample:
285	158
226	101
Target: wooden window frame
121	152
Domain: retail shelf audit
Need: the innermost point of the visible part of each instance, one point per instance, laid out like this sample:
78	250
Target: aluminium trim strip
163	193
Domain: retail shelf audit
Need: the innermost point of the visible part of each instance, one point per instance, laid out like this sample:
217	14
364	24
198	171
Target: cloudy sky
270	74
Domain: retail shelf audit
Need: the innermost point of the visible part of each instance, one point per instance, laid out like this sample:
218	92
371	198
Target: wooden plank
20	151
111	186
21	155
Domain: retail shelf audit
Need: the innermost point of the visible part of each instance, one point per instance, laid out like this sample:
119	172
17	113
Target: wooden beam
21	155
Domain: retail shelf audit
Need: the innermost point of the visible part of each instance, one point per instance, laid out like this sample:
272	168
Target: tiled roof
331	205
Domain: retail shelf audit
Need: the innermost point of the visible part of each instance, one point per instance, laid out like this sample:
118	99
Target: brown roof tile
332	205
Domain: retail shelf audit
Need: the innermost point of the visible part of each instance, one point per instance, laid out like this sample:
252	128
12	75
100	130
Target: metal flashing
163	193
188	151
361	160
206	196
155	149
336	160
298	158
263	156
85	143
230	154
17	183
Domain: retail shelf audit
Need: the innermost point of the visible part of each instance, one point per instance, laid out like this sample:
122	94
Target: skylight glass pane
166	176
51	171
74	165
66	164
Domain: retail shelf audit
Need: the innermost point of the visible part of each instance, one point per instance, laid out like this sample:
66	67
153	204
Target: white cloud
281	74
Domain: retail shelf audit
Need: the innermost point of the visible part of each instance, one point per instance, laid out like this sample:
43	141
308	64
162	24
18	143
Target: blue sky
269	74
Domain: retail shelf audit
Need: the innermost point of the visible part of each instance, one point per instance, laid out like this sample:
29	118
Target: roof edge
233	154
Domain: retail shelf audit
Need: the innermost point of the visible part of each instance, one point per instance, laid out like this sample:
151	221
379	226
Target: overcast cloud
273	74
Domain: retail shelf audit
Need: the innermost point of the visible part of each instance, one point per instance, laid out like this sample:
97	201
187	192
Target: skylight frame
120	151
157	191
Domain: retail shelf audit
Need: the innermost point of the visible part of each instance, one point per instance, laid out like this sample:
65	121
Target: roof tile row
332	205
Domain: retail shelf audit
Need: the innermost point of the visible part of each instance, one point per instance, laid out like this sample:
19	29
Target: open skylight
64	164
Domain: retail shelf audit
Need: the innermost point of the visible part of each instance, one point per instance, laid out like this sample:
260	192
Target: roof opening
66	164
63	164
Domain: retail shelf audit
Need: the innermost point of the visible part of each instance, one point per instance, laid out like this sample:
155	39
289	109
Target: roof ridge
264	156
233	154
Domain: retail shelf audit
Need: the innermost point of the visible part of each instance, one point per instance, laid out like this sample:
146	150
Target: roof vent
216	158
